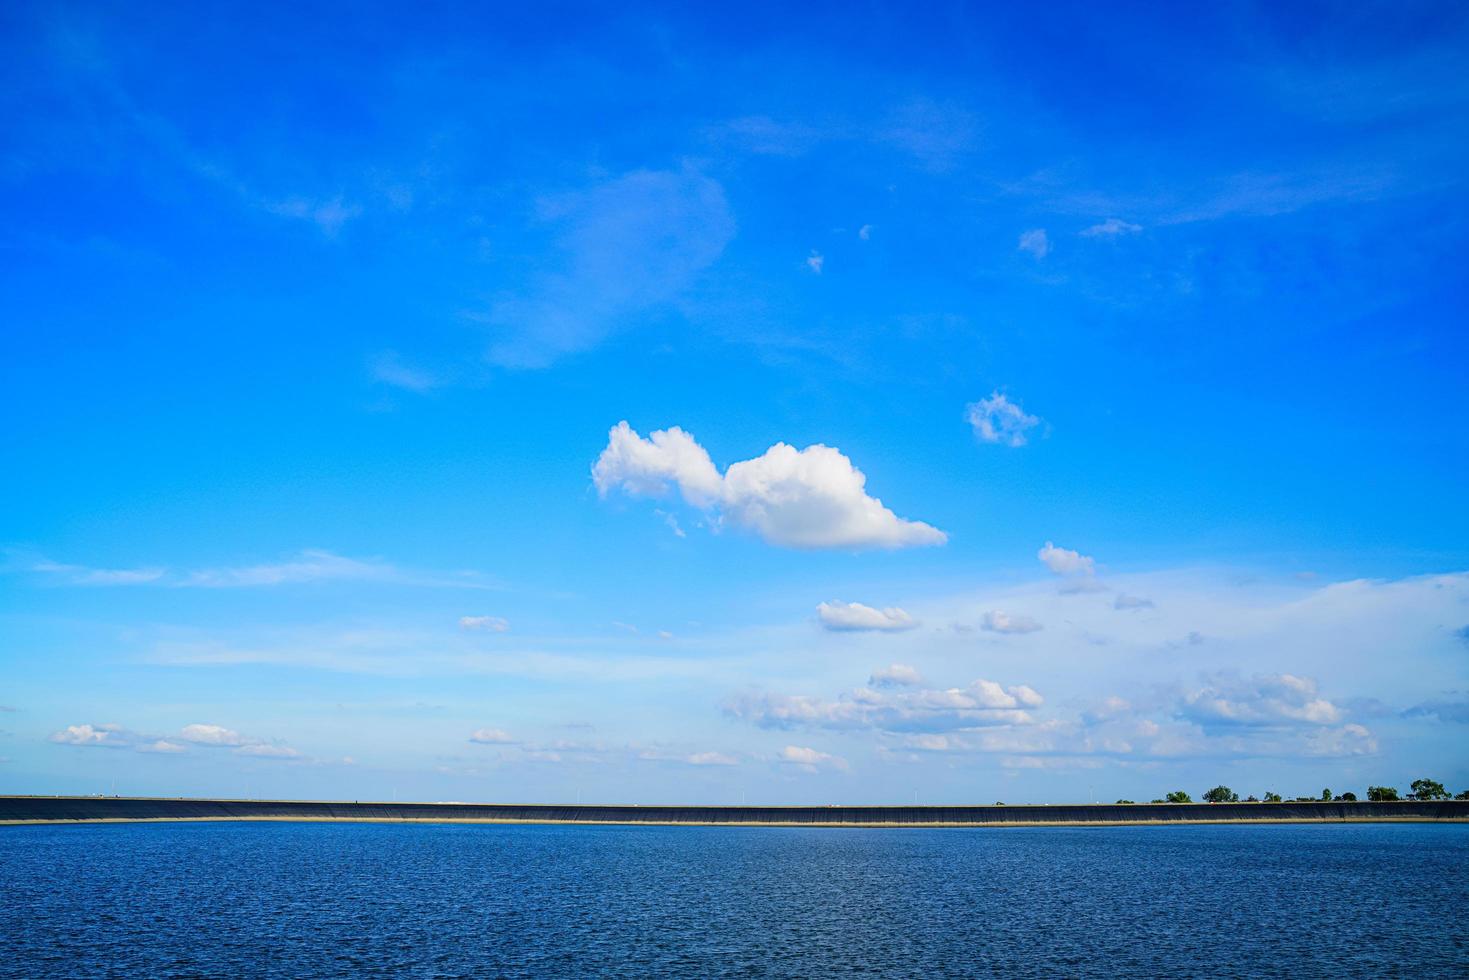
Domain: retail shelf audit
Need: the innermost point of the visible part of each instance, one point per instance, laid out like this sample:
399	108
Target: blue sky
1018	405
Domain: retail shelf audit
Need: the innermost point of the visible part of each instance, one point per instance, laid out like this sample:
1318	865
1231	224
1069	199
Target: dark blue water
315	900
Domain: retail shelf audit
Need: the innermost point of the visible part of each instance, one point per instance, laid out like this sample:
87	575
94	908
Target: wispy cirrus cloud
309	567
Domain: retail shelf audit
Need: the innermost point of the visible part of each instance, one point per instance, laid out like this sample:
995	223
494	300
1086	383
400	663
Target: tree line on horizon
1423	790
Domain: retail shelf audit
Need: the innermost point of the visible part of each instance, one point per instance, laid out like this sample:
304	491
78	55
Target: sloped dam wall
67	809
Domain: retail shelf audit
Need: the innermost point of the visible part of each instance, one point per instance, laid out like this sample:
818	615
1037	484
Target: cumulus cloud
898	675
1063	561
810	759
854	616
1035	242
809	498
1264	699
865	232
211	735
999	622
162	746
104	736
491	736
484	624
996	419
711	759
906	709
1078	570
1111	228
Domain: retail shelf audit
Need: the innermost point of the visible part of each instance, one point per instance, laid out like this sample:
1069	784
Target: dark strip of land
85	809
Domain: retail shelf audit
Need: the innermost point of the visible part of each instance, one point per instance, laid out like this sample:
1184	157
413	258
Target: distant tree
1348	797
1251	799
1463	796
1382	794
998	803
1219	794
1178	796
1427	789
1272	797
1326	796
1155	801
1120	802
1304	799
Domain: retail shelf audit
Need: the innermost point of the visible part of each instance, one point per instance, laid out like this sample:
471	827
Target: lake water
312	900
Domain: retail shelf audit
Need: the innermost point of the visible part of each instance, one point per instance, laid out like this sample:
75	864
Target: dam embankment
89	809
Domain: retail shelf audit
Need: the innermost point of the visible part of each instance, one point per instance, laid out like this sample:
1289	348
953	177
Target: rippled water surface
310	900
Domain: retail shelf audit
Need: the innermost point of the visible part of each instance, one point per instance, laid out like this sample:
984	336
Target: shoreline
61	810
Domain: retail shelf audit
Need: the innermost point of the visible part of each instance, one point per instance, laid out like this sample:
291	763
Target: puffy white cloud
1000	622
711	759
485	624
212	735
1111	228
853	616
105	736
810	759
865	232
999	420
1265	699
162	746
910	709
491	736
1035	242
1067	563
808	498
898	675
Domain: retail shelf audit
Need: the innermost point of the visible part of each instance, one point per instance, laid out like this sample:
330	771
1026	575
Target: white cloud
636	242
982	703
852	616
485	624
996	419
260	750
810	759
1063	561
162	747
865	232
212	735
328	215
711	759
1000	622
491	736
1111	228
815	261
1124	601
1264	699
1067	563
1035	242
809	498
388	368
898	675
82	575
105	736
311	566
